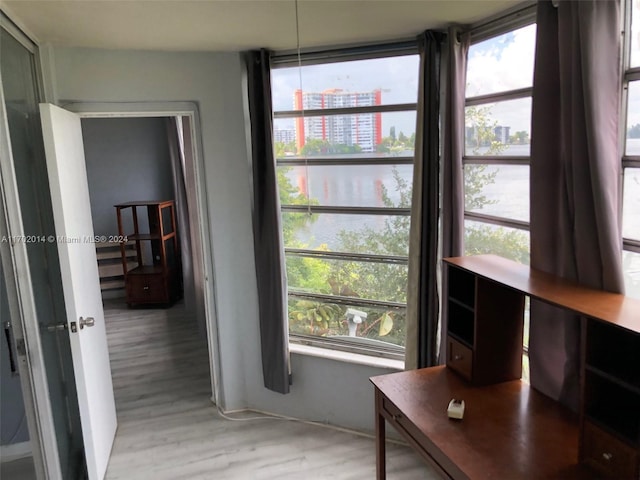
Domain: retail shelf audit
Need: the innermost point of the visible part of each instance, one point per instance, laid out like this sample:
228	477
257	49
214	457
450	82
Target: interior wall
13	424
334	392
127	160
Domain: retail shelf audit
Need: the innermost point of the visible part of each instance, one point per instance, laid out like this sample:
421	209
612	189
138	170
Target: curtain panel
422	294
452	153
267	231
575	175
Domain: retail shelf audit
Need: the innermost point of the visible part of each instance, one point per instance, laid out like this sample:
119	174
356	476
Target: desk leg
381	469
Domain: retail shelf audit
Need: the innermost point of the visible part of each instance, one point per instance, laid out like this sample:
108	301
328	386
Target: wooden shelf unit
155	278
484	312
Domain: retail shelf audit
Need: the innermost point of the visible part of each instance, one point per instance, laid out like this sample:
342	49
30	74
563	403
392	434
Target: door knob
87	322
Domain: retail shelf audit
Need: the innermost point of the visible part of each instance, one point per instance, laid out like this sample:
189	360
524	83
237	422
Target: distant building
501	134
284	135
364	129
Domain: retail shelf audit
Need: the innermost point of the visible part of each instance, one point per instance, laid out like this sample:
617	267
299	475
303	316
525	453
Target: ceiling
231	25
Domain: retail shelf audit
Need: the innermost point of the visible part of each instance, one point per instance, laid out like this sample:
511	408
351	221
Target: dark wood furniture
155	279
509	429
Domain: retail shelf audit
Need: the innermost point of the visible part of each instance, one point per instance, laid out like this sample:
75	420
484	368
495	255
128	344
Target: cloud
502	63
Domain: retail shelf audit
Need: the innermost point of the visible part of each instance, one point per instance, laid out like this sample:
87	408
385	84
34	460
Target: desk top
605	306
509	430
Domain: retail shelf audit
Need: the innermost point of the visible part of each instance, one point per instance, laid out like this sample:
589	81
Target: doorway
158	352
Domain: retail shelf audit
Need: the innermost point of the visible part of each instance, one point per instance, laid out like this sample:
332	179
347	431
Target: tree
384	281
520	138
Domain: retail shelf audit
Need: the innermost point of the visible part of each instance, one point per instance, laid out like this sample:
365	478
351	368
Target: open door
81	285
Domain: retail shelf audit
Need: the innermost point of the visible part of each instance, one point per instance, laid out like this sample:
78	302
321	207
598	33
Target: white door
74	231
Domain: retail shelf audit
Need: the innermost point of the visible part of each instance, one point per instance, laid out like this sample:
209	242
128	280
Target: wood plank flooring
169	429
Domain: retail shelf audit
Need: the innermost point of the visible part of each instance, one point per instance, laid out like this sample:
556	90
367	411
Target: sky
498	64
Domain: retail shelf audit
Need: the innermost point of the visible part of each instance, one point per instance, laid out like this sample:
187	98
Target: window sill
347	357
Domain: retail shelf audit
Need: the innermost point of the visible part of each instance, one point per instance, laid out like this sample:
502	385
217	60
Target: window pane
347	278
502	190
631	204
383	81
376	234
635	34
502	63
352	185
312	317
507	242
381	134
631	269
501	128
633	120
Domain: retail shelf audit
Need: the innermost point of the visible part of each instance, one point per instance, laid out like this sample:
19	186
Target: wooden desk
509	430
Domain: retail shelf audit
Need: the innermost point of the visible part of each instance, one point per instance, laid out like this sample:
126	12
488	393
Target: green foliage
323	147
290	195
285	149
521	138
508	243
395	146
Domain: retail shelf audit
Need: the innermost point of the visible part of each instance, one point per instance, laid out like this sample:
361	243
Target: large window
631	154
344	133
497	140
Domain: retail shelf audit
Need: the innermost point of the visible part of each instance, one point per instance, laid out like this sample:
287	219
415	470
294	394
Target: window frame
629	75
485	31
331	56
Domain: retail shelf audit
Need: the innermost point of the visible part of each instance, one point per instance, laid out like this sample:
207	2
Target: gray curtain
575	175
267	231
422	293
452	153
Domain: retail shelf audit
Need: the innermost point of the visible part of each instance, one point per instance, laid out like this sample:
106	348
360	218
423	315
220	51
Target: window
344	133
631	154
497	139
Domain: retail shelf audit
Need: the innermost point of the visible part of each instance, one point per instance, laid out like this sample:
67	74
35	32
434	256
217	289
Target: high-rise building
284	135
363	129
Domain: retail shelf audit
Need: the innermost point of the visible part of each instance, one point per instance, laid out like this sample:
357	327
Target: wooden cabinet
611	394
485	306
484	328
151	226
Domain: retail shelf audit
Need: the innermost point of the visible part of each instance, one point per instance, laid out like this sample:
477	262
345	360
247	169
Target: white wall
323	389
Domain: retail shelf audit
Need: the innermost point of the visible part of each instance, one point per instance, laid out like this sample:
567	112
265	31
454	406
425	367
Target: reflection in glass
631	270
631	204
502	191
502	63
632	145
507	242
321	318
374	234
500	128
395	79
352	185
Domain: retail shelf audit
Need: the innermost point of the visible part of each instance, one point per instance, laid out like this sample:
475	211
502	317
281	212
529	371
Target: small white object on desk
456	409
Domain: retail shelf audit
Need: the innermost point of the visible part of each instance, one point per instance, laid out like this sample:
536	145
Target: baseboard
15	451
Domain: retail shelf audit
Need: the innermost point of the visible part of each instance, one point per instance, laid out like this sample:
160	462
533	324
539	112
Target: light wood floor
169	429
